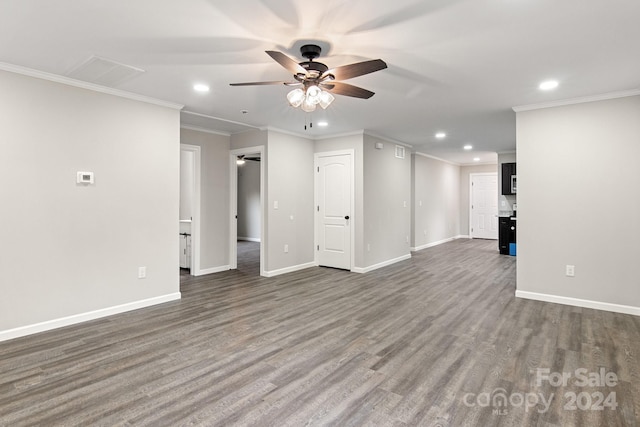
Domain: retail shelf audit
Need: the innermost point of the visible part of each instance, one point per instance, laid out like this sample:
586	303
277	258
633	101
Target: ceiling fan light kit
318	82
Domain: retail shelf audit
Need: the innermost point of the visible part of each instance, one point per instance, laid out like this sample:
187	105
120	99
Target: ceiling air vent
104	71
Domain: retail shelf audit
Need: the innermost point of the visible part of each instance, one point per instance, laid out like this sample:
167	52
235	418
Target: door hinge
318	208
318	248
318	168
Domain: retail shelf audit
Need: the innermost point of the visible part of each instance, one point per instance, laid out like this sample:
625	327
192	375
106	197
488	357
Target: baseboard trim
576	302
291	269
432	244
202	272
363	270
84	317
249	239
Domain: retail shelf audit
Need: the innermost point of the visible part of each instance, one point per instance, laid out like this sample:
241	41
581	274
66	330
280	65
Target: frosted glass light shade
308	105
295	97
313	94
326	99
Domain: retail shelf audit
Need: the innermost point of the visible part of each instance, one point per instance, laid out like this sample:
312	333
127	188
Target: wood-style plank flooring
434	341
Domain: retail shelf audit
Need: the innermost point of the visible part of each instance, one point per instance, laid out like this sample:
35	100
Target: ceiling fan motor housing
310	51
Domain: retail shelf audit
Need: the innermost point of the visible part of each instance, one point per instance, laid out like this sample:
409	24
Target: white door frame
471	175
194	267
233	205
352	216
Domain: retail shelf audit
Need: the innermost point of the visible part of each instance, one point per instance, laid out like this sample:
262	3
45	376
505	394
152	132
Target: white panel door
484	206
334	211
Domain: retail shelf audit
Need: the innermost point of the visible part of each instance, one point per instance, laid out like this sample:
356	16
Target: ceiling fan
316	82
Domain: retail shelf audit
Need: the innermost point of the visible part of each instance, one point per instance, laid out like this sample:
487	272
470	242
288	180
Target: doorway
247	234
335	209
189	255
483	212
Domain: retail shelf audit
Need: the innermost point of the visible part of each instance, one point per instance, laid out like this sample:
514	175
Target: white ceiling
457	66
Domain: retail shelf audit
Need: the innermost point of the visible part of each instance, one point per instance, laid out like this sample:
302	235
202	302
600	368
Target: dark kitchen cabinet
506	234
508	178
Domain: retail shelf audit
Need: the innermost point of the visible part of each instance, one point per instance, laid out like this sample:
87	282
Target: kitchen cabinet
508	178
506	233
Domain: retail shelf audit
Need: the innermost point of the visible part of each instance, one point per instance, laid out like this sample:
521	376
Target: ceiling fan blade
260	83
354	70
286	62
346	89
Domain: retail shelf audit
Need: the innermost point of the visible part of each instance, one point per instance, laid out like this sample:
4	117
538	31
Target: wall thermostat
85	178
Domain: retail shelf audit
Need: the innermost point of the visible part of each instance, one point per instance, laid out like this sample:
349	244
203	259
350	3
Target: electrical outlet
407	239
425	232
571	270
368	247
142	272
286	249
275	204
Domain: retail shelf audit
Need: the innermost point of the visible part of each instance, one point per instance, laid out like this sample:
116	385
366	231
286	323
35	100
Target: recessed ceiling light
323	124
201	87
468	147
440	135
476	159
548	85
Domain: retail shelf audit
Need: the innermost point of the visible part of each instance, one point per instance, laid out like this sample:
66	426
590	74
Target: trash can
512	249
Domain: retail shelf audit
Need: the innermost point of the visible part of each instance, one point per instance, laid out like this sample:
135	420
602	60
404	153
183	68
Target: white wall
387	203
214	198
578	202
465	188
249	201
74	250
436	201
186	184
290	183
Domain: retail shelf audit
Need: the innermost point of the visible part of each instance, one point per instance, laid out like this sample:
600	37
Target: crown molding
206	116
287	132
204	130
581	100
29	72
340	135
390	140
429	156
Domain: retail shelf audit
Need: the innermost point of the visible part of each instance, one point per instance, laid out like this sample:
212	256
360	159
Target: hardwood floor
434	341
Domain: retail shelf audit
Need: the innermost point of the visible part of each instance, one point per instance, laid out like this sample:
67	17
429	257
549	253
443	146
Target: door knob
346	217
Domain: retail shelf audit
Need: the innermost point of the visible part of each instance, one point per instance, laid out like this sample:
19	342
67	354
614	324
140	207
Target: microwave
513	184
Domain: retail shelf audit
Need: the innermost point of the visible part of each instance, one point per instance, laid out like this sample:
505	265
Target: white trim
380	264
204	130
478	164
286	132
437	158
462	236
432	244
194	268
581	100
289	269
212	270
387	139
233	206
576	302
85	317
86	85
205	116
340	135
249	239
354	218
